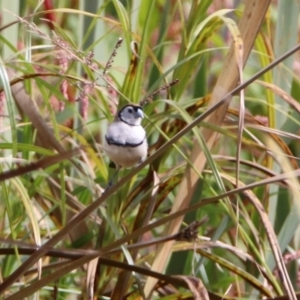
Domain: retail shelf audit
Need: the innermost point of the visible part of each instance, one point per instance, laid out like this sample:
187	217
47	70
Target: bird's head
131	114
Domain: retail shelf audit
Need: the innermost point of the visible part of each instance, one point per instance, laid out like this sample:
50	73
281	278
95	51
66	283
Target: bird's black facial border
134	107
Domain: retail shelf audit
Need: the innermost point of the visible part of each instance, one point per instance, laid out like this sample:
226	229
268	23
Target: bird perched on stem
125	139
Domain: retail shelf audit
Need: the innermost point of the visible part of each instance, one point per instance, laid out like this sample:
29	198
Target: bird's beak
140	113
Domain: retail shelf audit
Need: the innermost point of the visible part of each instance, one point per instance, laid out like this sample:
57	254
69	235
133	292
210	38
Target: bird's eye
130	110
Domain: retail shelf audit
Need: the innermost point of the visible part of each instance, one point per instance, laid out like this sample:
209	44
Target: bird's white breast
126	156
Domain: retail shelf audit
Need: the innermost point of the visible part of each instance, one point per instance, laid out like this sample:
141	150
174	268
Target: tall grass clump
213	212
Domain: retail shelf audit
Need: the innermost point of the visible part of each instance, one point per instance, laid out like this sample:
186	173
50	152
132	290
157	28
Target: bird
125	139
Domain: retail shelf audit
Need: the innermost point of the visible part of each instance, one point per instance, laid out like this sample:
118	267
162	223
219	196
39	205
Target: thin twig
158	91
111	59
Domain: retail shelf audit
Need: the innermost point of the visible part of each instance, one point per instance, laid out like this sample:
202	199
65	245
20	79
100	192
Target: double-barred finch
125	139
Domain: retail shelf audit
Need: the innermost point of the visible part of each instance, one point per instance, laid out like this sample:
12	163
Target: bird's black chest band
111	141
